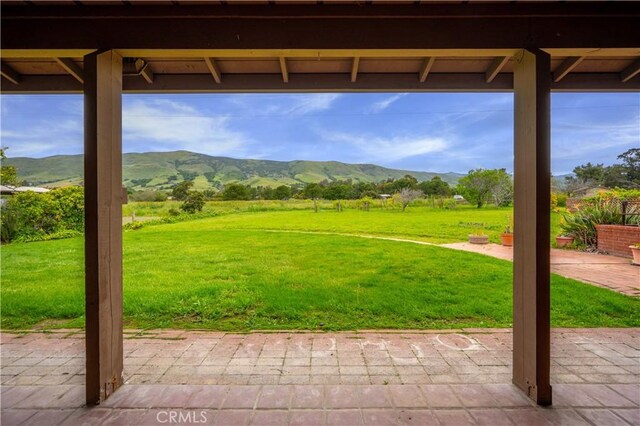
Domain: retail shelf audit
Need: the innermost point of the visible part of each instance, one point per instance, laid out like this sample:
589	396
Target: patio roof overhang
105	48
285	46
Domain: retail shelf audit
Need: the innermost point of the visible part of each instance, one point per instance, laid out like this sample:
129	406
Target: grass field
246	270
419	221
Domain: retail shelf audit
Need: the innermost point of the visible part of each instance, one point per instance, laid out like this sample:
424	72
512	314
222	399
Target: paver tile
344	417
307	418
310	396
454	418
241	397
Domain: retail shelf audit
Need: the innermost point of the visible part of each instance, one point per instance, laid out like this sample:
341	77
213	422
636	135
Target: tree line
479	187
625	175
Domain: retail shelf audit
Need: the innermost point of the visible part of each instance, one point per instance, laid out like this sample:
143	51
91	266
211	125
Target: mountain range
161	170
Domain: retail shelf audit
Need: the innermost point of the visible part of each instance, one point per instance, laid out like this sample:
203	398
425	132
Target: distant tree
407	195
483	185
193	203
631	162
436	186
313	191
8	174
337	191
573	186
503	191
617	176
590	173
282	192
181	190
236	191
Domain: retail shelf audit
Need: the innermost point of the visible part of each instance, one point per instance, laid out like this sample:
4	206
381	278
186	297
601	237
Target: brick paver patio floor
452	377
612	272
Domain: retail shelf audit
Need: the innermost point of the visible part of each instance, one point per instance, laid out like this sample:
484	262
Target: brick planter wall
616	239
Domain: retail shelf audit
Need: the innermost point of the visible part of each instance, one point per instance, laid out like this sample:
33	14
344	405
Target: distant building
37	189
10	190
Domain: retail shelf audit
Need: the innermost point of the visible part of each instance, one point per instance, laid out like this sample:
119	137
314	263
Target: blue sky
438	132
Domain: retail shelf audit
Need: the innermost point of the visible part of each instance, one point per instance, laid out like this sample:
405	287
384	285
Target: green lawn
229	273
422	223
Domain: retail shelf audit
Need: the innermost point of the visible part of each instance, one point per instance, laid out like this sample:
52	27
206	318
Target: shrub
450	204
193	203
29	216
132	226
604	209
561	200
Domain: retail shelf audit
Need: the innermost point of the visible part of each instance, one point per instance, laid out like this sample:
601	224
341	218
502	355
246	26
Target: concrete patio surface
454	377
612	272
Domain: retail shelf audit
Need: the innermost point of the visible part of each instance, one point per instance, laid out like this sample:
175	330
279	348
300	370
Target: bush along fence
603	209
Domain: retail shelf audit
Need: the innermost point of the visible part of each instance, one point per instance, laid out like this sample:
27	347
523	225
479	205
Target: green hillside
162	170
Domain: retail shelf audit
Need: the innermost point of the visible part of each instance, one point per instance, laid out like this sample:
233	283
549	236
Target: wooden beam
496	66
213	69
147	73
10	74
426	68
566	66
71	67
271	83
314	53
631	71
531	264
354	69
103	224
290	26
283	69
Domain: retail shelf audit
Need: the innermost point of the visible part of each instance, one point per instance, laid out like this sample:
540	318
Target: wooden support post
103	223
531	268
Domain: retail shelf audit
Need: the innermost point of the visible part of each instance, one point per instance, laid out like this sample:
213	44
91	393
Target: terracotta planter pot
564	241
478	239
507	239
636	254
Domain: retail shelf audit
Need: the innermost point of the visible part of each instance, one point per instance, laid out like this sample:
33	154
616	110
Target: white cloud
385	103
389	150
46	137
300	104
594	139
161	125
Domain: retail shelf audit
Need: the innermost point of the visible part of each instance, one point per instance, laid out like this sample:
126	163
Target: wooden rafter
496	66
631	71
566	66
147	73
213	69
354	69
426	68
371	82
72	68
283	68
10	74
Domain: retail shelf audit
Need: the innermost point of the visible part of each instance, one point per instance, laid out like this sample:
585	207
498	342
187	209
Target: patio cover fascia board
322	31
572	25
